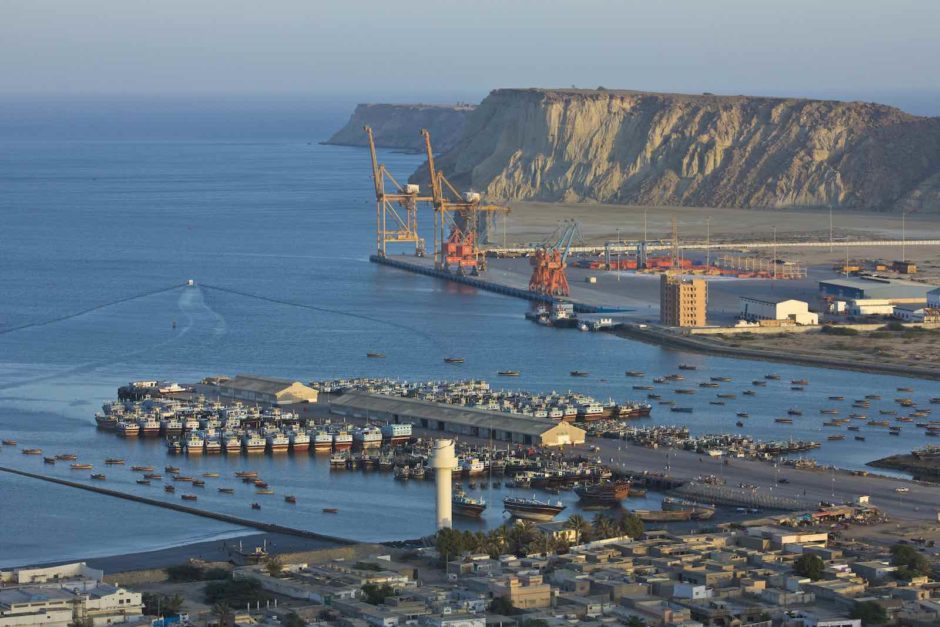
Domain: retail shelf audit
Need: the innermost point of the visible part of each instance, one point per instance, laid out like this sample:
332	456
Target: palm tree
579	525
520	536
603	526
172	605
225	614
635	621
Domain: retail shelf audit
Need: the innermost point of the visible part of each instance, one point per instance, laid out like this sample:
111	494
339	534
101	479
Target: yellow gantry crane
460	248
396	213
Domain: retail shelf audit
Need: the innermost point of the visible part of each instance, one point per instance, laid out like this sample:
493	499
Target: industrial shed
452	419
254	389
897	291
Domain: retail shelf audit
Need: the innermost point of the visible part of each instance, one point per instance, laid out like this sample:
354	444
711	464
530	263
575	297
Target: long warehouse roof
415	408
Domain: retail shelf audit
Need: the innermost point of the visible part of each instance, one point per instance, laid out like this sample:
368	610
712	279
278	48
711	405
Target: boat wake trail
404	327
42	323
193	300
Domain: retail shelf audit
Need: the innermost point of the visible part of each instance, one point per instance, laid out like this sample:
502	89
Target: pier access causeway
177	507
501	283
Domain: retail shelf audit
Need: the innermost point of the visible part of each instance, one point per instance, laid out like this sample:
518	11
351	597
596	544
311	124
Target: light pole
830	228
708	242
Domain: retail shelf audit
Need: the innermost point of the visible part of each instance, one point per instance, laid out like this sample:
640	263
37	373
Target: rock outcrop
399	126
697	150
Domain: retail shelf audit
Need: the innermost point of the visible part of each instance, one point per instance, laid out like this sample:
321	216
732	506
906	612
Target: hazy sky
393	49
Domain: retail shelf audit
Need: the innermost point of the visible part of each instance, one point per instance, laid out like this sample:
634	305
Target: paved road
921	502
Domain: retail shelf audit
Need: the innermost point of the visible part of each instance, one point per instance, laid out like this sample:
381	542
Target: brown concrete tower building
682	302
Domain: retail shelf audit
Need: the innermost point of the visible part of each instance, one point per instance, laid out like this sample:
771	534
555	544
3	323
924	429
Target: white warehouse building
755	309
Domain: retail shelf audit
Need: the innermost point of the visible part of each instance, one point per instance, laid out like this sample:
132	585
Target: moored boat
532	509
463	505
607	493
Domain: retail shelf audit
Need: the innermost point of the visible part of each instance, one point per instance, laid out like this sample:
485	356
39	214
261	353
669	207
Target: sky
445	50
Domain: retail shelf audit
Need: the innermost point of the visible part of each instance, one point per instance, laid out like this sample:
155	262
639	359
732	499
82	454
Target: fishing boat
98	477
342	441
141	468
183	479
338	460
66	457
772	377
143	482
508	373
375	355
716	402
799	382
532	509
169	488
467	506
708	384
128	429
48	460
579	373
836	398
635	373
330	510
81	467
322	442
830	412
9	442
687	367
188	497
749	393
607	493
682	410
114	461
758	383
32	451
453	360
739	423
277	442
784	421
255	506
227	490
642	387
199	483
835	438
243	474
264	491
211	475
742	414
684	391
794	412
721	379
727	395
860	438
290	499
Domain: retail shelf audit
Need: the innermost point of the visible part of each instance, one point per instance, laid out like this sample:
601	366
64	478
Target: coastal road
921	501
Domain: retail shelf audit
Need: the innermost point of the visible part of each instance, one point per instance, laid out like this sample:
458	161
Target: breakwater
194	511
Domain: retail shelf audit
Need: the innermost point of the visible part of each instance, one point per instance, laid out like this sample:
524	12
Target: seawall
177	507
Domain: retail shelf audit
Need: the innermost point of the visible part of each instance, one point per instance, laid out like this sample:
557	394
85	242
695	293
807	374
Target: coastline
662	338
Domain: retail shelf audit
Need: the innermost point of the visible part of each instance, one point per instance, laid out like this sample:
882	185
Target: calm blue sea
110	207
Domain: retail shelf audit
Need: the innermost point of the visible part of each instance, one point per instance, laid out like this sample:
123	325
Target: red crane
549	263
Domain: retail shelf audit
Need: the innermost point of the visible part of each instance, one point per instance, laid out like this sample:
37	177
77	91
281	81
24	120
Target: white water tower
443	461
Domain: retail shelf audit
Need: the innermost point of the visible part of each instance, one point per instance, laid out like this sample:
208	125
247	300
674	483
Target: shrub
831	330
809	565
184	572
893	326
235	592
870	613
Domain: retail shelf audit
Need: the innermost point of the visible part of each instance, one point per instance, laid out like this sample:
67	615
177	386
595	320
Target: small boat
32	451
330	510
227	490
742	414
796	388
642	387
169	488
687	367
199	483
508	373
683	410
114	461
66	457
171	469
748	393
264	491
727	395
211	475
708	384
142	468
794	412
258	483
873	397
579	373
739	423
836	398
860	438
246	473
772	377
98	477
758	383
48	460
453	360
830	412
799	382
784	421
716	402
905	389
684	391
143	482
375	355
188	497
255	506
635	373
290	499
532	509
835	438
183	478
81	466
153	475
721	379
9	442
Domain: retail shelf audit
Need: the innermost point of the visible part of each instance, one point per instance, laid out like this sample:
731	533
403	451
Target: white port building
255	389
756	309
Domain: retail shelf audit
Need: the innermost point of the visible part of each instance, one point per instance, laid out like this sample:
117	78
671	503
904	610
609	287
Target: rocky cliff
697	150
399	126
